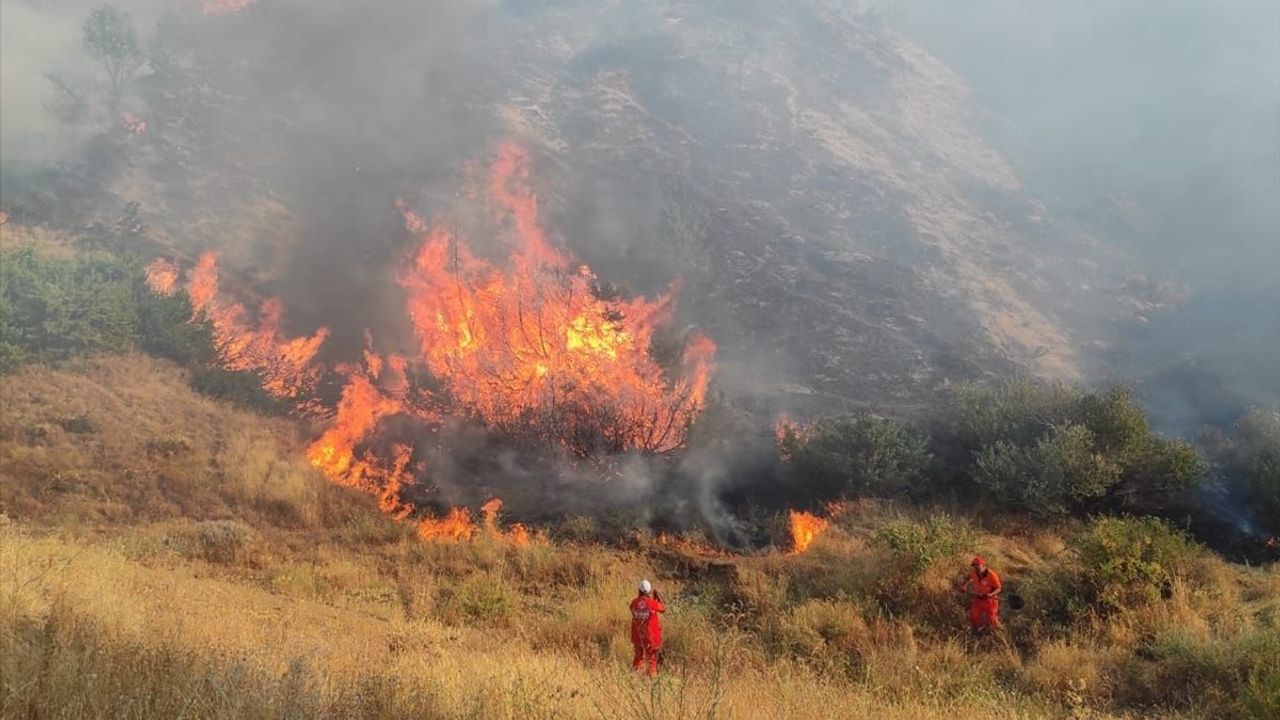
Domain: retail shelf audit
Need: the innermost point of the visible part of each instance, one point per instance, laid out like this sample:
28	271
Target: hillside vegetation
168	555
818	192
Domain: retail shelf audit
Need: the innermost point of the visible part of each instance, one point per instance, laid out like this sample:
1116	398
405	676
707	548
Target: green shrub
484	598
1248	460
1231	677
579	528
863	455
242	387
165	329
53	309
917	545
1017	411
1127	562
1158	474
1054	449
221	541
1049	477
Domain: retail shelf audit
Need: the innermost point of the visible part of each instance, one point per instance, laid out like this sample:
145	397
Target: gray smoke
800	165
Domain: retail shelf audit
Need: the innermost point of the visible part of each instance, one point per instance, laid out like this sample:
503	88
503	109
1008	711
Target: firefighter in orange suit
646	627
983	586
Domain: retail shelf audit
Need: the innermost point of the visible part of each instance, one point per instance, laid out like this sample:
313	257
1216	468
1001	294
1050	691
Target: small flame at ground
519	534
456	526
805	528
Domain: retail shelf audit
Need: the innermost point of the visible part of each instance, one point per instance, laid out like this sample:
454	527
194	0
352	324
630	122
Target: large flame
536	350
286	365
805	528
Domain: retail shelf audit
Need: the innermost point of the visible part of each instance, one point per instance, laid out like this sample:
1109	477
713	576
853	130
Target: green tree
1248	461
112	40
1056	474
863	455
1056	449
51	309
165	329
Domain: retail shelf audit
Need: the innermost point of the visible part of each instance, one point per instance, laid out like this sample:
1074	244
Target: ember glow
224	7
531	349
535	350
162	277
132	123
788	432
805	528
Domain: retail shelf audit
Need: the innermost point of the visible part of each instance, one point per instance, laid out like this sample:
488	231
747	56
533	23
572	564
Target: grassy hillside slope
164	555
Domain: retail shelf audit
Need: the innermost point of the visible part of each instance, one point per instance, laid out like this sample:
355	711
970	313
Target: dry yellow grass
188	564
87	633
123	439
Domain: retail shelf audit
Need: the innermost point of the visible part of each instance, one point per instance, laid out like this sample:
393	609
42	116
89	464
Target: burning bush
805	528
537	350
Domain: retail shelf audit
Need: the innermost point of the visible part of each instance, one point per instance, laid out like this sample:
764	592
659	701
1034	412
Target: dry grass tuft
123	440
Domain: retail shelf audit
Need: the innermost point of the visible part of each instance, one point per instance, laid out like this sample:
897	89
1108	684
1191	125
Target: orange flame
132	123
787	430
162	277
286	365
805	528
536	349
456	526
519	534
490	510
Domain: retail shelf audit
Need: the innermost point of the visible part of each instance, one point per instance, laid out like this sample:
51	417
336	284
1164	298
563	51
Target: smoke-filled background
1157	126
861	203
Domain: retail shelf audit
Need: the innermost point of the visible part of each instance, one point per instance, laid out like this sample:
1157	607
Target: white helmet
645	586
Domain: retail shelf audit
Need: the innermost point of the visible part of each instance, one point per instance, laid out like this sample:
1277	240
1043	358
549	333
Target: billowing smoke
860	203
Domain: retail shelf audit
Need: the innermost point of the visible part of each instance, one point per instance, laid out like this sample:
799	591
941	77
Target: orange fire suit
646	631
984	612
